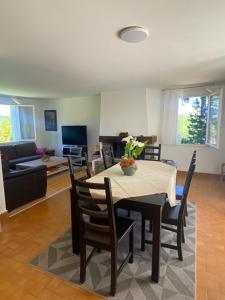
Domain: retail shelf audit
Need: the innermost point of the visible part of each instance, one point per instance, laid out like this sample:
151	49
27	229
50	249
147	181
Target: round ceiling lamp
133	34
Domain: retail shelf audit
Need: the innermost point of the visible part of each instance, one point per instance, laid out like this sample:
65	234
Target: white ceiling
61	48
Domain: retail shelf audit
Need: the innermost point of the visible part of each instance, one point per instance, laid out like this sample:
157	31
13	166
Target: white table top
151	177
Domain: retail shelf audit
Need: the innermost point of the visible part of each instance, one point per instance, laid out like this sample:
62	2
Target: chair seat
123	226
170	214
179	191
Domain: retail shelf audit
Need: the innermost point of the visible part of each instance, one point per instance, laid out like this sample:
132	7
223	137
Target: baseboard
198	173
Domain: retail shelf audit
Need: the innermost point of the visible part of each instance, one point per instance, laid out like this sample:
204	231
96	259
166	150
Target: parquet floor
26	234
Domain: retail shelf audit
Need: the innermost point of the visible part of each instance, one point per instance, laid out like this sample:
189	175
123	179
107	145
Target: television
74	135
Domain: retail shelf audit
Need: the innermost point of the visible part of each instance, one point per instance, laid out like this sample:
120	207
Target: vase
130	170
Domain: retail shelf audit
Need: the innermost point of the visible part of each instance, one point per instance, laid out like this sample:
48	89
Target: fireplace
118	146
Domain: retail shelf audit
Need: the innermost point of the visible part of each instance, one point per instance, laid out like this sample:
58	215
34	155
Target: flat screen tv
74	135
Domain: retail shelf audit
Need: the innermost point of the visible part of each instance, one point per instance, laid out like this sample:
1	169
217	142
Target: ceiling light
133	34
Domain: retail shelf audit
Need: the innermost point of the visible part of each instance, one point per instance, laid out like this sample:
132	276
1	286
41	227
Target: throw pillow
41	151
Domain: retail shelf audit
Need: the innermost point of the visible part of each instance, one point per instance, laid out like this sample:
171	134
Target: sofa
23	186
21	152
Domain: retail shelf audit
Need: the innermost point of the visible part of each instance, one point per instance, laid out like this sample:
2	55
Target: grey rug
177	279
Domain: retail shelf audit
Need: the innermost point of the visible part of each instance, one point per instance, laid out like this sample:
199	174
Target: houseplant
132	150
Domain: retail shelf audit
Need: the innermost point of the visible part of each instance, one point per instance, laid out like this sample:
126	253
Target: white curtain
22	118
26	119
170	116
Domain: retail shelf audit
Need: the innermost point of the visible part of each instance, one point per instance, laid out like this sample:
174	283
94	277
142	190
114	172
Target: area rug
177	278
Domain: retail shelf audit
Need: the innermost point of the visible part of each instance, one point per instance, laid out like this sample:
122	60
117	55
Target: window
6	135
17	123
198	119
214	117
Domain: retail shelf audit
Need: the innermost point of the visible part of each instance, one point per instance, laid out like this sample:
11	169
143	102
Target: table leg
156	245
74	225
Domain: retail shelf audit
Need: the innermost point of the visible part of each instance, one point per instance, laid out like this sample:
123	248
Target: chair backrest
108	157
152	152
71	169
106	215
194	156
193	161
186	190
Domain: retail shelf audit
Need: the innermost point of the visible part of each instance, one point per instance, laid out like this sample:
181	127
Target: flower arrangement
133	149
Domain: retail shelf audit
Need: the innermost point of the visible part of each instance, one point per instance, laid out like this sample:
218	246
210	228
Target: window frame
207	144
34	124
220	96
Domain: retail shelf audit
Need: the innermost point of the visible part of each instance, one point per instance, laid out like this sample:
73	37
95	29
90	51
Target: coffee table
54	165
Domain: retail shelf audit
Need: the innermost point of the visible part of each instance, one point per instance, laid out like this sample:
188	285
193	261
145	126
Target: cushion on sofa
8	151
41	151
25	149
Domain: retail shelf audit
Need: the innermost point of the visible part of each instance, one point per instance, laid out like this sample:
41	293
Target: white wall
208	159
124	111
49	139
154	111
72	111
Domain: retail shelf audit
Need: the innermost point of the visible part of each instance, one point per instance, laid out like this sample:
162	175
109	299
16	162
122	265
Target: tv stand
75	151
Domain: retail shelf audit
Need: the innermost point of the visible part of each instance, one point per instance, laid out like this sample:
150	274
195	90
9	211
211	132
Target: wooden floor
28	233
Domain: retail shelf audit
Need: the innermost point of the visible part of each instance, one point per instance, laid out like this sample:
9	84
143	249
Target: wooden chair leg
179	239
131	245
113	271
82	262
142	233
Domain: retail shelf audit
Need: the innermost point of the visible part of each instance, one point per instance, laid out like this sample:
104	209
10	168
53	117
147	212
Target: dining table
146	192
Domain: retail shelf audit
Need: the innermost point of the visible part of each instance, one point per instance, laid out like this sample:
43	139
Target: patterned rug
177	278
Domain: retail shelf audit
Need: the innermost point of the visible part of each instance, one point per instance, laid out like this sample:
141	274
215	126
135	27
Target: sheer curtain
26	119
170	116
22	118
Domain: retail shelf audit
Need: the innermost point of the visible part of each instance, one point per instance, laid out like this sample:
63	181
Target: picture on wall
50	120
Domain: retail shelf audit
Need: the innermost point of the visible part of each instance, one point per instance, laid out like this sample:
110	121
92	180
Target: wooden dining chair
106	235
173	216
108	157
152	152
180	188
85	168
86	175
